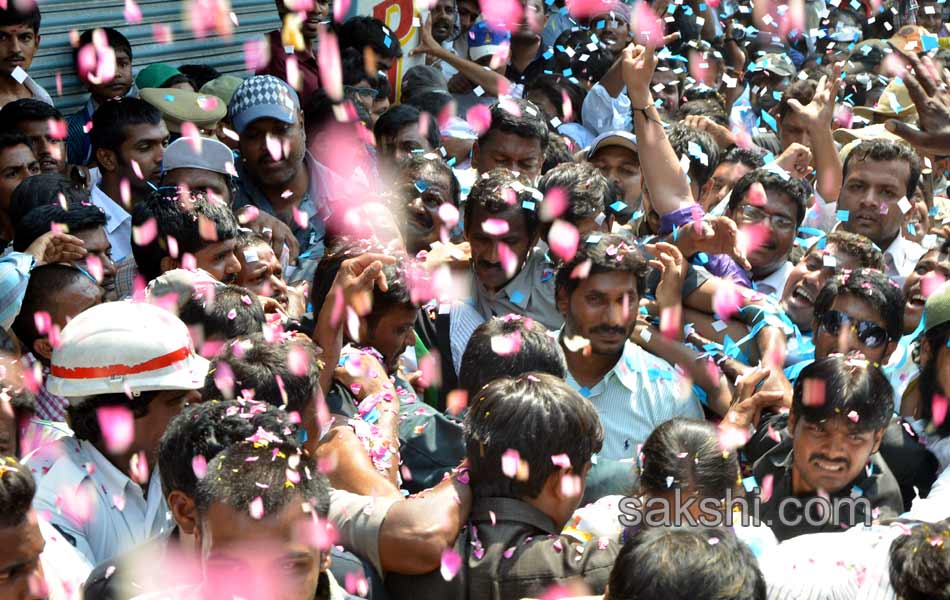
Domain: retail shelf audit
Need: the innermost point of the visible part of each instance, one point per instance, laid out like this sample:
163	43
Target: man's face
82	294
144	145
380	105
930	16
164	407
723	180
510	151
932	270
266	558
443	16
764	87
119	85
793	128
391	333
806	280
469	11
771	230
407	141
18	43
16	164
423	225
264	276
870	194
200	180
219	260
21	574
486	257
266	170
532	22
612	30
669	95
621	166
49	151
98	249
602	309
845	338
829	455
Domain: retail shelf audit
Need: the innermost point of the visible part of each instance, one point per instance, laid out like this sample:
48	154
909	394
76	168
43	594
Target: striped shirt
641	392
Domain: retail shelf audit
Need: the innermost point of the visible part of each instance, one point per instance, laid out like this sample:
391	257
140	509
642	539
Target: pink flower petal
496	227
554	205
813	392
451	563
563	239
503	15
503	345
162	33
509	462
132	12
757	195
509	260
207	230
449	215
42	320
479	118
561	460
456	401
647	28
256	508
726	301
199	465
328	59
116	424
94	266
939	409
298	361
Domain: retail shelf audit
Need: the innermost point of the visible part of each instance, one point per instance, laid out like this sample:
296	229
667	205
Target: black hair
538	416
264	367
176	79
579	39
612	253
352	67
710	99
586	189
744	156
688	451
537	352
114	39
234	312
26	109
112	120
710	109
846	385
178	217
553	88
17	13
399	116
872	286
418	164
244	472
207	428
802	90
382	86
83	414
529	124
199	74
433	102
398	293
489	195
38	222
863	250
45	188
881	151
937	338
679	563
556	153
12	139
771	182
248	239
684	141
919	565
17	489
361	31
42	294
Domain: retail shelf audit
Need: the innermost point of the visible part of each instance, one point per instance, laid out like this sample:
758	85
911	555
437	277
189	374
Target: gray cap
263	97
183	154
777	63
421	79
621	138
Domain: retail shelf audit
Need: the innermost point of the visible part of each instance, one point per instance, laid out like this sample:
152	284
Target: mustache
839	461
607	330
488	265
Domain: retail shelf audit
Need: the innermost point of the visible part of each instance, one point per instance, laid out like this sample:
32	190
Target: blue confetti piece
529	205
516	296
585	391
548	54
777	95
749	483
568	72
911	229
769	120
702	257
843	215
600	25
422	186
619	205
658	374
388	41
169	98
450	162
929	42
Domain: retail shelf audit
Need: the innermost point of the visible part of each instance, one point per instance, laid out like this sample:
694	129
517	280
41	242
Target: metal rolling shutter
255	17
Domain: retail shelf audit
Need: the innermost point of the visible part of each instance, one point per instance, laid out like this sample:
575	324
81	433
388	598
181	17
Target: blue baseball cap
484	41
260	97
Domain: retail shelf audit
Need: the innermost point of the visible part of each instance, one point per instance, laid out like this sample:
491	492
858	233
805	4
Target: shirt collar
112	481
317	189
115	214
776	280
512	509
518	290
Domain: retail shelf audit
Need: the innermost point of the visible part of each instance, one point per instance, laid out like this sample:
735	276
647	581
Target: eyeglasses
362	91
751	214
870	334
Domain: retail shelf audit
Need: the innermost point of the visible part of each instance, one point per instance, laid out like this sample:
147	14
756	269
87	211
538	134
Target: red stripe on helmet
159	362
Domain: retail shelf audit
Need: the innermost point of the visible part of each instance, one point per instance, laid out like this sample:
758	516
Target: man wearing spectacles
768	207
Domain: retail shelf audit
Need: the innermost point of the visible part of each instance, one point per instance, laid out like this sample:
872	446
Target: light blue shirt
118	224
640	393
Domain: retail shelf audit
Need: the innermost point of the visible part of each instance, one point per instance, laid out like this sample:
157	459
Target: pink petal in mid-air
563	240
495	227
554	205
451	563
647	27
478	118
132	12
503	15
509	260
726	301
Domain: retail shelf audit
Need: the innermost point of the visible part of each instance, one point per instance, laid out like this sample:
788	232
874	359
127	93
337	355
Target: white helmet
119	347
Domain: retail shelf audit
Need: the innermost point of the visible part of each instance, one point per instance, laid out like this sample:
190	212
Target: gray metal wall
255	17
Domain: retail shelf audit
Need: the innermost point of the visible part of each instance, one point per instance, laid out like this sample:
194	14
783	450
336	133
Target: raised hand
820	111
796	160
670	263
713	235
929	88
56	246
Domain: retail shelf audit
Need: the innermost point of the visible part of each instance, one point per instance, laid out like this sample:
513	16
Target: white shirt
64	568
118	224
602	112
641	392
774	284
901	257
89	500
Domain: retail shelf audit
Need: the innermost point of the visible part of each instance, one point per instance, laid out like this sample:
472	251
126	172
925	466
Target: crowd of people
628	301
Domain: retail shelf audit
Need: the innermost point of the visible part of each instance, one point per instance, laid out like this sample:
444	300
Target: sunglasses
870	334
